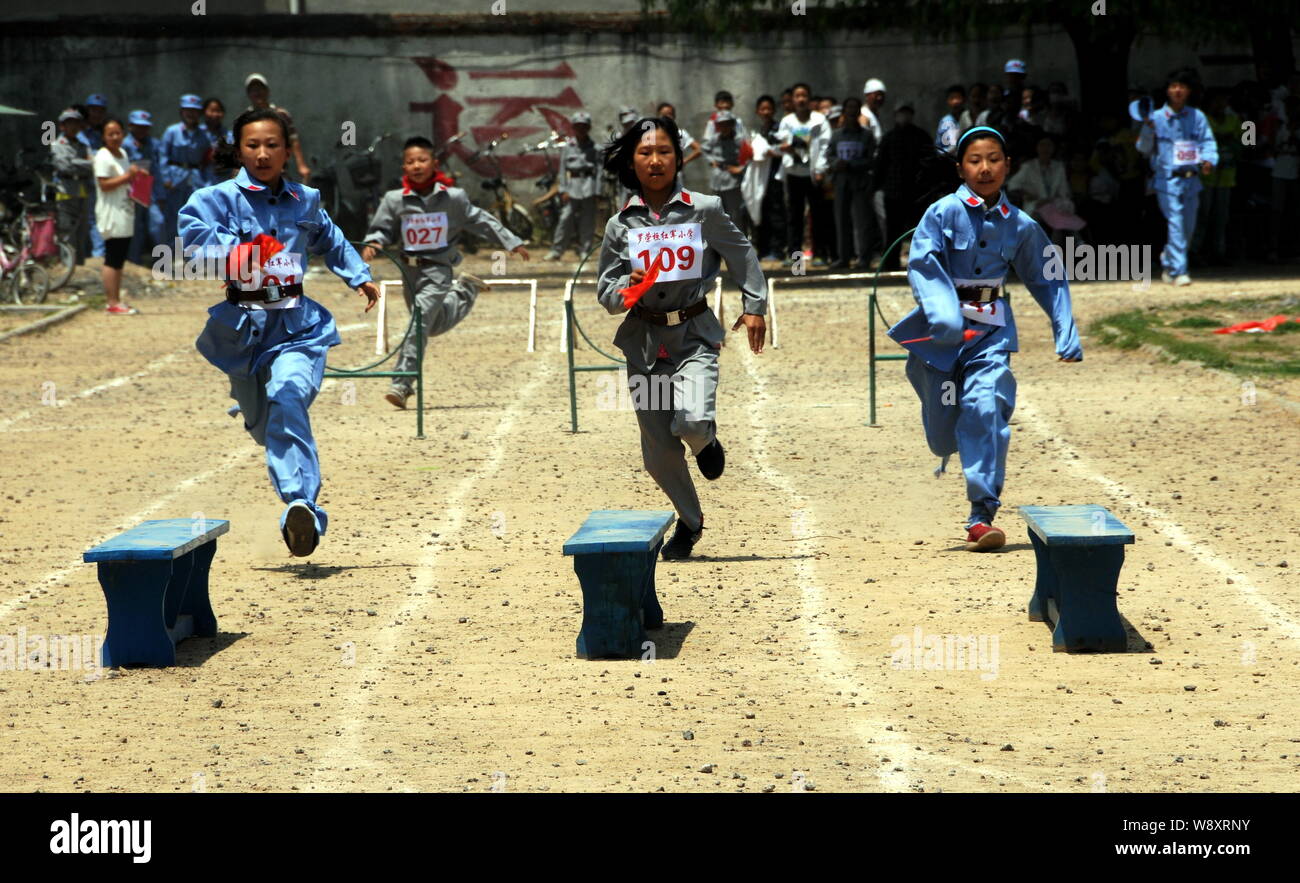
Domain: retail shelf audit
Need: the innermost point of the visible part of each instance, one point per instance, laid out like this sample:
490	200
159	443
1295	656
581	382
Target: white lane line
231	460
347	748
837	671
1274	615
96	390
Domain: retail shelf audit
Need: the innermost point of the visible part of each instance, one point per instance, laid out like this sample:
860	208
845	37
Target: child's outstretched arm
485	224
1053	295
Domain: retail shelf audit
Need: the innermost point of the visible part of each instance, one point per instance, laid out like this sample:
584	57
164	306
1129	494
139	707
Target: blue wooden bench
1080	551
614	554
155	580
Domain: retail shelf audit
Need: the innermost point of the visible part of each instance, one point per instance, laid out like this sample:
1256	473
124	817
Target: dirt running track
429	644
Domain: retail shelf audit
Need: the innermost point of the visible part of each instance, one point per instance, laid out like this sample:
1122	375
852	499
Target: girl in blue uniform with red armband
962	333
267	335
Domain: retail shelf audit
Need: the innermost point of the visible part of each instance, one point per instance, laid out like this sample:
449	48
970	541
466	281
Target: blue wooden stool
1080	551
155	580
614	554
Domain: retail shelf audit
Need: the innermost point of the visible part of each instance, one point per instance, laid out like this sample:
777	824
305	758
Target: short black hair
723	95
803	86
226	156
112	119
619	152
214	100
1185	75
418	141
763	98
957	89
662	104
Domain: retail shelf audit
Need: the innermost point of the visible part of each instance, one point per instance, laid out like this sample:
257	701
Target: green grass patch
1186	332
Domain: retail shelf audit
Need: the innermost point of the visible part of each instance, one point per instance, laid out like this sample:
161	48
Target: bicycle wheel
518	223
60	266
30	283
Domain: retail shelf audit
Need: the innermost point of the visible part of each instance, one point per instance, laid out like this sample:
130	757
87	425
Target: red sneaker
984	538
120	309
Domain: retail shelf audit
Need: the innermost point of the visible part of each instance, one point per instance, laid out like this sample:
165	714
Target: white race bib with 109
282	268
678	249
1187	153
424	231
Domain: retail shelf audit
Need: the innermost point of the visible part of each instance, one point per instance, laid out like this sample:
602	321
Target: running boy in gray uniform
579	184
657	262
426	218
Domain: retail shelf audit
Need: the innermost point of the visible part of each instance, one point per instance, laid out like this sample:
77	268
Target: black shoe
682	542
840	264
712	460
299	531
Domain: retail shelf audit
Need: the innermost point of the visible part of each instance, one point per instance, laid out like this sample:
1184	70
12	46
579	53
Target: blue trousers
275	360
968	411
171	209
149	231
96	241
1179	209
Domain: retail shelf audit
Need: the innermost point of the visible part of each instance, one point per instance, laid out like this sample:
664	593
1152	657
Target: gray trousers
577	218
686	415
855	222
74	222
443	302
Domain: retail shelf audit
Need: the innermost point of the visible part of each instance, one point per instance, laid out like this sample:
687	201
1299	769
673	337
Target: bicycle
548	205
352	187
23	279
33	224
504	205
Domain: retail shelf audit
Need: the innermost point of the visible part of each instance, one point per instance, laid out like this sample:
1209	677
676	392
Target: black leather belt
411	261
270	294
1184	173
187	165
979	294
676	317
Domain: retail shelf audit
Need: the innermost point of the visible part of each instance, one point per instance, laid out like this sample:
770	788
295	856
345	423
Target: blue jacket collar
247	183
681	194
970	199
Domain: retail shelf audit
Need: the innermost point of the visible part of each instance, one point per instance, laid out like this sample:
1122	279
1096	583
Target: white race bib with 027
424	231
992	313
282	268
1187	153
678	249
849	150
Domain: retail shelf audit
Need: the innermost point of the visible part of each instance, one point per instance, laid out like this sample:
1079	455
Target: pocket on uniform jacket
960	239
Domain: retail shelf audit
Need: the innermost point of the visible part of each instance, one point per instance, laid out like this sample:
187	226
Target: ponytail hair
226	156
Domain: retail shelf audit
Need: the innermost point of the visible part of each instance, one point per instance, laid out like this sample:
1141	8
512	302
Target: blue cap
1014	66
140	118
191	101
96	100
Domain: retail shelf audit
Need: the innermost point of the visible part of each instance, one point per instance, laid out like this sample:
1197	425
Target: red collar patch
686	197
1006	212
256	187
972	201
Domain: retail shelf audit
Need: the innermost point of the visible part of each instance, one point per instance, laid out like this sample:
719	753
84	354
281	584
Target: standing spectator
945	137
850	154
259	96
145	152
690	147
92	135
977	101
787	102
802	136
724	101
873	104
1060	117
1041	190
184	147
1286	181
1181	147
898	177
214	126
763	183
995	115
1210	244
580	184
1013	81
728	154
73	167
114	211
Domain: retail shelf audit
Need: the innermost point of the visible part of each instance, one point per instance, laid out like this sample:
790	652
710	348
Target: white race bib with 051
992	313
282	268
1187	153
424	231
678	249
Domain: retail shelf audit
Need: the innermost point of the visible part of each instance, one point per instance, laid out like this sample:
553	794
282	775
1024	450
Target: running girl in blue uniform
268	336
962	333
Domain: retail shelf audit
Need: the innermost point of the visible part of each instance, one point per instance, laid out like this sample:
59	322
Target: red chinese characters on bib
677	249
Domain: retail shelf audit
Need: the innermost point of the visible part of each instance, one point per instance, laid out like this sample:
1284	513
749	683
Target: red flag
633	293
240	259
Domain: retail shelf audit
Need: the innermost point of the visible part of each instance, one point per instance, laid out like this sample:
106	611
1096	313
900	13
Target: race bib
678	249
424	231
849	150
992	313
1187	153
283	268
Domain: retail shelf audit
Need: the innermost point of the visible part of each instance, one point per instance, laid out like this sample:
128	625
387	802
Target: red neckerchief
409	186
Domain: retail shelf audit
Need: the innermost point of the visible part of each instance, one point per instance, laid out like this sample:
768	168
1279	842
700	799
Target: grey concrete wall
375	81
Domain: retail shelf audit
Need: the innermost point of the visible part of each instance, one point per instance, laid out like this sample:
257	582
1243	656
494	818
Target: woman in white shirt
114	211
1041	189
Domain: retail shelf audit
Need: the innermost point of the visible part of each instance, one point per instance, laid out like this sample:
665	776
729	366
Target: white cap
252	78
873	85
